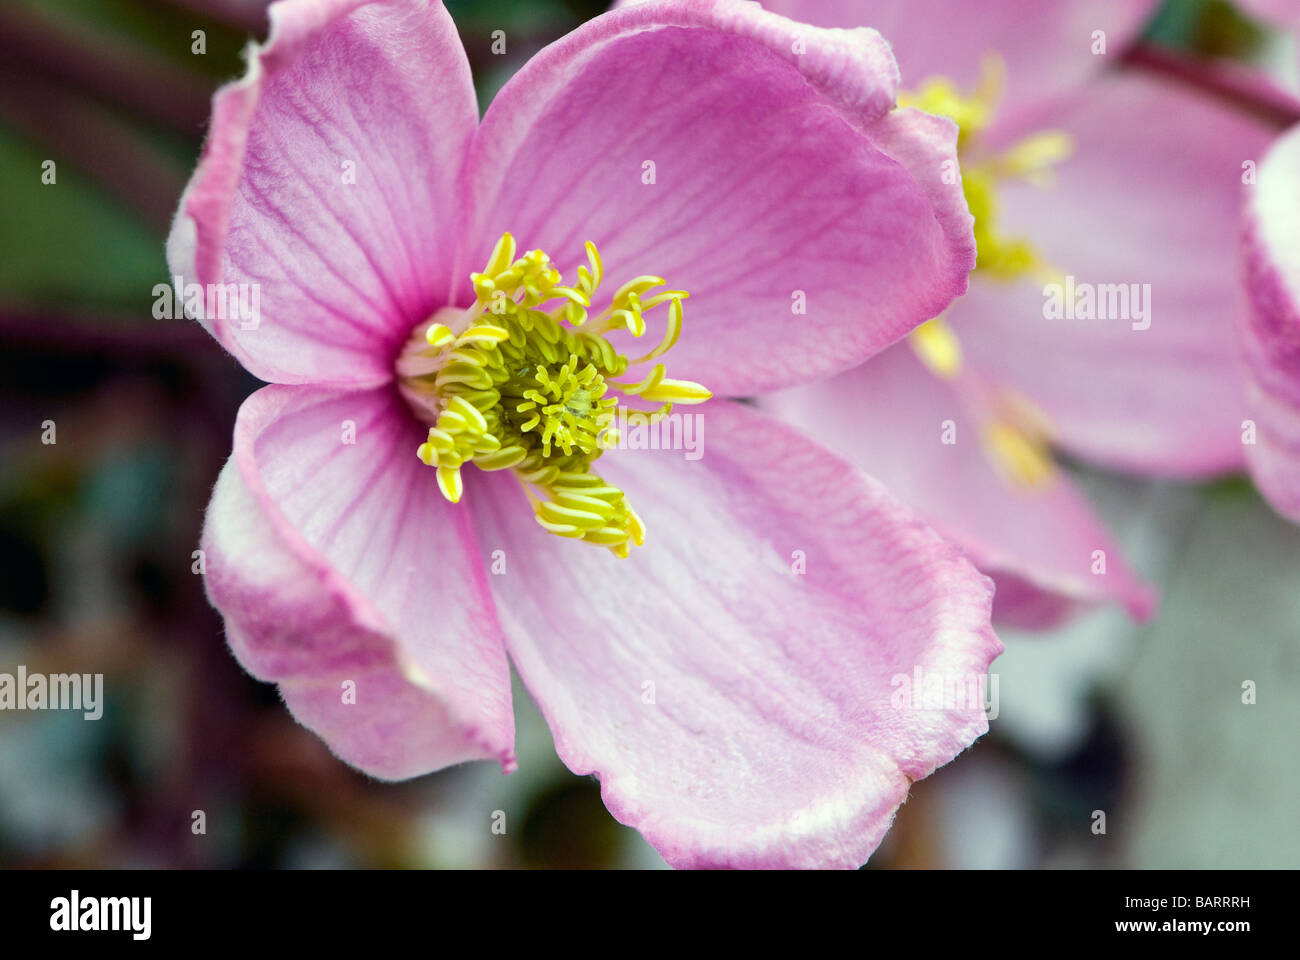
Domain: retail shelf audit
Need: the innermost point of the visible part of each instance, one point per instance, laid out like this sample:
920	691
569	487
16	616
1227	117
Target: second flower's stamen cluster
1031	159
1016	442
507	384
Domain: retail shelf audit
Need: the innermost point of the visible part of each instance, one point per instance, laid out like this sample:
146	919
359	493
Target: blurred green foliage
68	244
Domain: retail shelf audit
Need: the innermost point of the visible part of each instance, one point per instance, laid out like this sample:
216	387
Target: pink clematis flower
1082	177
385	532
1271	331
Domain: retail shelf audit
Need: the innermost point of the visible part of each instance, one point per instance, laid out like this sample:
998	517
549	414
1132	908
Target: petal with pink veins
1047	47
1146	198
329	181
782	177
740	712
336	561
1271	331
891	417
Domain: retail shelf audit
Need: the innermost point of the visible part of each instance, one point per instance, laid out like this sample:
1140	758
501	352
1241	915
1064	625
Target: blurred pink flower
1081	175
738	707
1271	331
1282	12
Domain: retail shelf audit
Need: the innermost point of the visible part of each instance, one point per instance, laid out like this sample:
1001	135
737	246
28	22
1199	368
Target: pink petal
345	269
1136	203
1271	331
776	174
888	416
1045	44
336	562
1284	12
771	740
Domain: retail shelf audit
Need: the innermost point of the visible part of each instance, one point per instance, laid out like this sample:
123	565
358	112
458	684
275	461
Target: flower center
1030	159
1015	438
507	384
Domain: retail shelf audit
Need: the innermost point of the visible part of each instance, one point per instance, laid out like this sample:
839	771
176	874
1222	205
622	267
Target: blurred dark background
97	530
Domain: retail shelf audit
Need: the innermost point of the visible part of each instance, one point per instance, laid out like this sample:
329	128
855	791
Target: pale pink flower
1089	171
1271	331
732	680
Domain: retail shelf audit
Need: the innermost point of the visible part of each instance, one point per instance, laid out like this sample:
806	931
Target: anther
507	384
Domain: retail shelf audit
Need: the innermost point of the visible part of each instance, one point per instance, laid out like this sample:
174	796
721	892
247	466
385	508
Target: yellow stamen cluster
507	384
971	112
1015	440
1031	159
